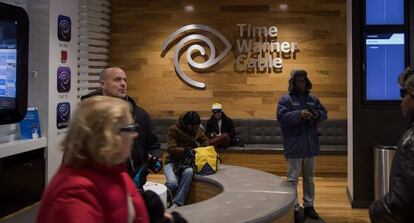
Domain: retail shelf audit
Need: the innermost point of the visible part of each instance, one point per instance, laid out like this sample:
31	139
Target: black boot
297	216
170	199
310	212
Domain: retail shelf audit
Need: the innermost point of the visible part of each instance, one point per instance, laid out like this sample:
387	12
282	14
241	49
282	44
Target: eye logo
63	79
64	28
63	115
191	41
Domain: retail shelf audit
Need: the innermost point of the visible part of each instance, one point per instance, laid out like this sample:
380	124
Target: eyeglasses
130	128
216	111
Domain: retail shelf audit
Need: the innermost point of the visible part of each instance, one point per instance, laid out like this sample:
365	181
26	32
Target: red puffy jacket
91	194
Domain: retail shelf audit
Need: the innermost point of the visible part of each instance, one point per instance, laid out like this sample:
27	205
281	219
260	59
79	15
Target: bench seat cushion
233	149
333	149
264	148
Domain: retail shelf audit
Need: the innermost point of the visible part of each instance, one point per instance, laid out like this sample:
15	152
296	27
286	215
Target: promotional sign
30	125
257	50
63	67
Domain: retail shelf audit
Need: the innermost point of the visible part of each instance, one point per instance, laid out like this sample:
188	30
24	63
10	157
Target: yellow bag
206	160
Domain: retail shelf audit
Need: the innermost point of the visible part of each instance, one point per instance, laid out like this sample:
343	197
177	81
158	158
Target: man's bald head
109	70
113	82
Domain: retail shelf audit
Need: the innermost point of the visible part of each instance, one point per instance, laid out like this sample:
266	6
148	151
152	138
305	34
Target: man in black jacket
113	83
398	204
220	128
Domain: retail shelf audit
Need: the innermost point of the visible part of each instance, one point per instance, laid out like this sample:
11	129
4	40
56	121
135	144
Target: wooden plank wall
139	27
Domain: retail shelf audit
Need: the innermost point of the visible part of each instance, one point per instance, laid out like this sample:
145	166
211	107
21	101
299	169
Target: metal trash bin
383	158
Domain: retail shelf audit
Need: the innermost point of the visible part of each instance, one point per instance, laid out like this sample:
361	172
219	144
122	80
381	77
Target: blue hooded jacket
300	136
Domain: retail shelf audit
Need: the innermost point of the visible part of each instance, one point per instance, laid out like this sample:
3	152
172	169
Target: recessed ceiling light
189	8
283	7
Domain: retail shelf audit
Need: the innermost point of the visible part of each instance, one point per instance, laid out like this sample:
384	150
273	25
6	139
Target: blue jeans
306	168
179	185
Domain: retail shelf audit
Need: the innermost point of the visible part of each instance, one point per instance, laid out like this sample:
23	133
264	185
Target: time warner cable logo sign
257	50
64	28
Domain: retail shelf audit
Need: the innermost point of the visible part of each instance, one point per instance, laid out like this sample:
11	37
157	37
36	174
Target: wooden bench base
275	163
201	191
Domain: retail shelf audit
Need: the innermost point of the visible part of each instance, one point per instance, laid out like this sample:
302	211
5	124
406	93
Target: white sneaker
174	205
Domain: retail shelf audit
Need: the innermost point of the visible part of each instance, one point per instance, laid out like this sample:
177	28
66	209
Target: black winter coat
147	142
398	204
227	126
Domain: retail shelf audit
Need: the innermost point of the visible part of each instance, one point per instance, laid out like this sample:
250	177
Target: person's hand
189	153
168	217
316	114
305	114
195	144
174	217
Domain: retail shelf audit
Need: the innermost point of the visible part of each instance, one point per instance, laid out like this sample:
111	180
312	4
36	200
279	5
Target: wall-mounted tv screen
8	54
384	12
385	60
14	29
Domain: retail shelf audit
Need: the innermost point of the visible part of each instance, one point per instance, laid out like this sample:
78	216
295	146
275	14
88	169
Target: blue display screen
384	12
385	60
8	57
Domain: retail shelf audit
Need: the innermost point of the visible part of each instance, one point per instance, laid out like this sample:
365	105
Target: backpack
206	160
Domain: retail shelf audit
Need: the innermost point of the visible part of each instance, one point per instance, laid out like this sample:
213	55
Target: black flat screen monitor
385	59
14	38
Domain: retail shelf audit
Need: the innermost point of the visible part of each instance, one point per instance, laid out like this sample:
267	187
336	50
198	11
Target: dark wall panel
371	125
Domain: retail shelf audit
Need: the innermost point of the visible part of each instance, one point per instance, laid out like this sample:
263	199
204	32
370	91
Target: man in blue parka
299	113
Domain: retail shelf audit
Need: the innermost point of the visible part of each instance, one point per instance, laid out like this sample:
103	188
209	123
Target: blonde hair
93	134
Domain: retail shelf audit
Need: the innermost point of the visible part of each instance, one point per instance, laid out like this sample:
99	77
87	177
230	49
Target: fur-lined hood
296	73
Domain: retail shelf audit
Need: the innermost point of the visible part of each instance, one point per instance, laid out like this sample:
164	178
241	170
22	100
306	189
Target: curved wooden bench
239	194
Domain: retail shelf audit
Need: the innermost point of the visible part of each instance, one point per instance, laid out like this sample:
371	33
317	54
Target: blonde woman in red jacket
92	184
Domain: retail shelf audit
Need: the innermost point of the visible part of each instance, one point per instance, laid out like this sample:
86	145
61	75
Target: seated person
182	138
95	147
93	184
220	128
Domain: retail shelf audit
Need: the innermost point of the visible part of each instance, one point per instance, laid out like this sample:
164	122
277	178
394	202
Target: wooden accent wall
139	27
